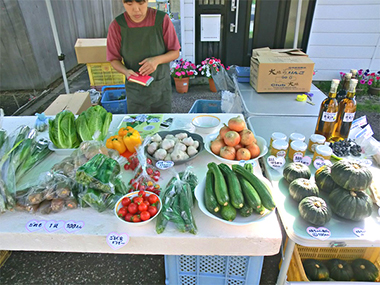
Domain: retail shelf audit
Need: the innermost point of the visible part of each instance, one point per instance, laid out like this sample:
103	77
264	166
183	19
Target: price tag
164	164
306	160
359	232
116	241
363	162
297	157
321	233
148	127
321	162
73	226
53	226
34	225
276	162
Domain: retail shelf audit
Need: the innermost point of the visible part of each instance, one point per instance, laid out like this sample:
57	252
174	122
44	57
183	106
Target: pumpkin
351	205
351	175
315	270
314	210
364	270
296	170
301	188
324	180
340	270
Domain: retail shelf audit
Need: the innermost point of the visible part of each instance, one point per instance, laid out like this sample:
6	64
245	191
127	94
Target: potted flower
182	70
208	67
374	83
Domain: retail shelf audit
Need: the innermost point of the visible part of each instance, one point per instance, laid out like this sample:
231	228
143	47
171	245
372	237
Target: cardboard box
285	70
91	50
76	103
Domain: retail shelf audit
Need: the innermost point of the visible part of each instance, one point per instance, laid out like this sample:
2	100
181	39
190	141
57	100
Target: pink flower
362	81
190	73
178	73
370	82
211	61
183	72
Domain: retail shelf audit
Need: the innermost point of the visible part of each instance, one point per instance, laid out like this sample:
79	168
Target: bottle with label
342	93
346	114
328	112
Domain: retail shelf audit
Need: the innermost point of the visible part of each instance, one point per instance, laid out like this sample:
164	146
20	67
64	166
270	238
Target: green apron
138	44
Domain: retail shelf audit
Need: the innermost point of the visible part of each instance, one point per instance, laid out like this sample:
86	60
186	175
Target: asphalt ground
93	268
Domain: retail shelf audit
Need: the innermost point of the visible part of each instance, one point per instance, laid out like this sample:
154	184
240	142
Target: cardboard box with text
76	103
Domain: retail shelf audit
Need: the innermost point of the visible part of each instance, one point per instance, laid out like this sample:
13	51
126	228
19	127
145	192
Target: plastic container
296	271
206	106
212	270
103	73
111	99
243	73
279	148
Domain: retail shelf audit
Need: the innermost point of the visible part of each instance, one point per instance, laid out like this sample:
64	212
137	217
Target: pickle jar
323	152
296	137
277	136
279	148
297	148
314	141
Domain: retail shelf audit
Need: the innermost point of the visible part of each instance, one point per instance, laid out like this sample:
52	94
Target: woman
146	41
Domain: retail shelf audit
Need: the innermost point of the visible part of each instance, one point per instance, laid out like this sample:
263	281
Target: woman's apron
138	44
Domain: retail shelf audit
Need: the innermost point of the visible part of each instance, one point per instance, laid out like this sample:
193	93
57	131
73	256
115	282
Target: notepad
144	80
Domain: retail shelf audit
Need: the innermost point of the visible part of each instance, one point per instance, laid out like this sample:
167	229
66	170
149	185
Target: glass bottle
342	93
328	112
346	114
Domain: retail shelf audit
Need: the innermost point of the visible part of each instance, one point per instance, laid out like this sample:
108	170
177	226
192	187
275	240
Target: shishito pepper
117	143
132	139
123	131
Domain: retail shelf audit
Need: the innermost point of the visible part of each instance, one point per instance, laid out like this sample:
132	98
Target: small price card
164	164
321	233
73	226
276	162
318	163
359	232
53	226
116	241
34	225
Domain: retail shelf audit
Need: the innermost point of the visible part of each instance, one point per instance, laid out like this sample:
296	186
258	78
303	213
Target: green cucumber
220	185
261	188
228	213
234	189
260	210
210	200
245	211
251	197
249	167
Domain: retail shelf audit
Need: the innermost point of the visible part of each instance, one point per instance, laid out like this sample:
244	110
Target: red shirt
114	33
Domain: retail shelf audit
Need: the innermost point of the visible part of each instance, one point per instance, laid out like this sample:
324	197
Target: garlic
191	150
196	144
181	136
167	143
168	157
188	141
178	155
152	147
180	146
156	138
160	154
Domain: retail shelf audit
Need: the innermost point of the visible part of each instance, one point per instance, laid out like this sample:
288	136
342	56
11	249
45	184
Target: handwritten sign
321	233
164	164
116	241
34	225
52	225
359	232
73	226
318	163
276	162
306	160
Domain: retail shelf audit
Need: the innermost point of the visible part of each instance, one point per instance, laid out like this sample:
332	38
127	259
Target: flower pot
182	84
212	85
374	90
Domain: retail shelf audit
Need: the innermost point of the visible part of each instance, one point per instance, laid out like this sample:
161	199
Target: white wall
345	34
187	29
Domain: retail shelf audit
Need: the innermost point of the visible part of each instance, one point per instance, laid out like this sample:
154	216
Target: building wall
187	29
345	35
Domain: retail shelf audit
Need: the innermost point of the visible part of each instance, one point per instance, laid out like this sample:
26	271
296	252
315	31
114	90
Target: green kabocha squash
314	210
351	205
351	175
315	270
364	270
340	270
301	188
324	180
296	170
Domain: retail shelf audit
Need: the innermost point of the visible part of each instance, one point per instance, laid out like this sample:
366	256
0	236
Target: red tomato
142	193
138	200
126	201
133	208
143	207
128	217
157	173
145	215
150	188
146	202
122	212
152	199
136	219
156	178
152	210
149	161
142	187
149	171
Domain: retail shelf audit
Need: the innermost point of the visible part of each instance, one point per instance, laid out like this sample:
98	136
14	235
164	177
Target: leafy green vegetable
93	123
62	130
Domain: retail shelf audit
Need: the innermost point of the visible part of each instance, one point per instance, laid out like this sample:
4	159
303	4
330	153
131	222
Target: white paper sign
276	162
321	162
116	241
53	226
306	160
321	233
34	225
164	164
73	226
359	232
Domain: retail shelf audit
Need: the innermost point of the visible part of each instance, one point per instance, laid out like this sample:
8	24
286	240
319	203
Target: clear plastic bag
223	82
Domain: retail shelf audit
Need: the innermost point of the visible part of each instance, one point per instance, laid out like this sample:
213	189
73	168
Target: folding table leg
285	262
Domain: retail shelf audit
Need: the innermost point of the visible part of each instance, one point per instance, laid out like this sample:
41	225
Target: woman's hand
148	66
130	72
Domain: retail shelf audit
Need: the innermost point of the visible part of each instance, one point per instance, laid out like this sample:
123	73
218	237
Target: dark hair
139	1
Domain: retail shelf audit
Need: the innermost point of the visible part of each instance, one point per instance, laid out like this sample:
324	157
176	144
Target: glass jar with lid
323	152
277	136
296	137
314	141
297	149
279	148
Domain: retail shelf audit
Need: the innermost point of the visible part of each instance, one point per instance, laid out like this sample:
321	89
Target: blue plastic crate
243	73
212	270
206	106
111	99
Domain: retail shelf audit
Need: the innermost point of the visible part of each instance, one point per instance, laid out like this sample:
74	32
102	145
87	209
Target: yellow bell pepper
123	131
117	143
132	139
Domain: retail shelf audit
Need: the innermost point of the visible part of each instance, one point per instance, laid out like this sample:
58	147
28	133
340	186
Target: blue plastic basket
206	106
111	99
243	73
212	270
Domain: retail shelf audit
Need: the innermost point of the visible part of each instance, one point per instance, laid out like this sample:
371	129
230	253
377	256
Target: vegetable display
296	170
62	130
315	270
314	210
301	188
324	180
340	270
364	270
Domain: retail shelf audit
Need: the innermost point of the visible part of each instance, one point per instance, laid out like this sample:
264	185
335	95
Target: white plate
239	220
61	151
206	123
261	142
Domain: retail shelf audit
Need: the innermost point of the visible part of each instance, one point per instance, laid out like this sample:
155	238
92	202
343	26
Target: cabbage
62	130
